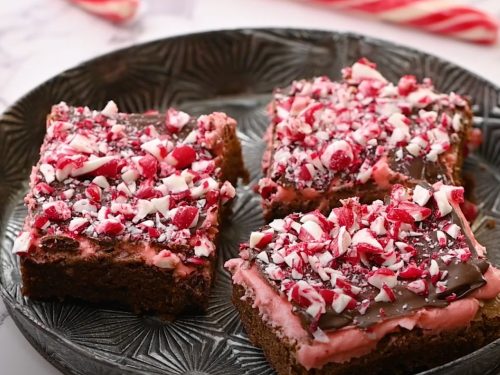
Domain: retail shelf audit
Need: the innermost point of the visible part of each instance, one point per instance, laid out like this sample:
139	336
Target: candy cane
438	16
113	10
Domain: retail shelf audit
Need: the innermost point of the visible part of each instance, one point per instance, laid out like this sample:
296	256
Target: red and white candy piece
439	16
110	227
89	166
310	231
175	120
419	287
156	147
343	242
410	272
434	270
417	212
184	217
93	192
43	188
260	240
48	172
274	272
227	192
118	11
337	156
441	237
181	156
453	230
362	71
78	224
365	240
386	294
378	226
443	205
455	194
101	181
421	195
111	109
83	144
84	206
382	276
306	296
56	211
147	166
204	247
175	184
341	301
144	208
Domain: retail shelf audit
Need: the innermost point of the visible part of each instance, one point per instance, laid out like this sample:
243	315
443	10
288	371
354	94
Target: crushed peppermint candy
359	130
394	257
108	175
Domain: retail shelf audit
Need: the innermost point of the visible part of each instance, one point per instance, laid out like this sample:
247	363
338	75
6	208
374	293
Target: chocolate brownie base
277	209
404	352
114	279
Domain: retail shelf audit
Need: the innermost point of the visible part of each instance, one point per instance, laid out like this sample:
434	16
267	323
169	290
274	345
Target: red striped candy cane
113	10
438	16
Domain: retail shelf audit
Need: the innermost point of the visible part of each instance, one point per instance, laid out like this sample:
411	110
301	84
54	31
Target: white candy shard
22	243
444	206
101	181
48	172
82	144
362	71
110	110
421	195
175	184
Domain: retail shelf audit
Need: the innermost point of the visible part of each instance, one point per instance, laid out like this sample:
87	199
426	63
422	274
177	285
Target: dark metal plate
232	71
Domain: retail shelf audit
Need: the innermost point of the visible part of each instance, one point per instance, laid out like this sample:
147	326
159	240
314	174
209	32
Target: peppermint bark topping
146	178
351	131
363	263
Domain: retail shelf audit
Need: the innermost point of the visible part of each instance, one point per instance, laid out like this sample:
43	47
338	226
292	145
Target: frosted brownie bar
385	288
125	208
357	137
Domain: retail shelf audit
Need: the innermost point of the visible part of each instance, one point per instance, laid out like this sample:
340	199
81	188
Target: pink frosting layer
351	342
382	175
147	253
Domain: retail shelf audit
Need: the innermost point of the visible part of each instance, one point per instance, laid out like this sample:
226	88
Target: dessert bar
357	137
125	208
381	288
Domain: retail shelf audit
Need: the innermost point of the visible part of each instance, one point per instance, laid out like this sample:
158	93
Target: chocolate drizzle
419	169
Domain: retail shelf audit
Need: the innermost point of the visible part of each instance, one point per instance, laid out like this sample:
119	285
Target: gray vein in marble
3	315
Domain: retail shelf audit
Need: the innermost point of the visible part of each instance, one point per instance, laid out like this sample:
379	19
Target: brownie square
359	136
381	288
125	209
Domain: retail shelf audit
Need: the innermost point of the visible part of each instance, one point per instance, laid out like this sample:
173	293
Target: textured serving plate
232	71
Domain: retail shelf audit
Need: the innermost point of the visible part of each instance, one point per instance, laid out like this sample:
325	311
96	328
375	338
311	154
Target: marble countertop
40	38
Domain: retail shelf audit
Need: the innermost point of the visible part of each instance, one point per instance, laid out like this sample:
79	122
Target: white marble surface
39	38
